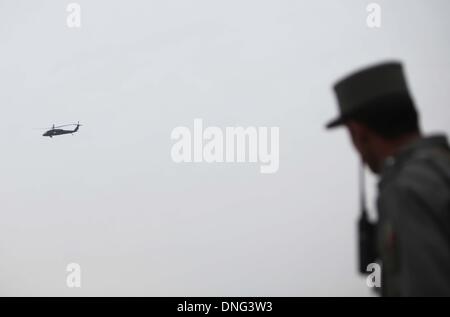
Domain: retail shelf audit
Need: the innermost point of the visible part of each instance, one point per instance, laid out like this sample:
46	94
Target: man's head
378	111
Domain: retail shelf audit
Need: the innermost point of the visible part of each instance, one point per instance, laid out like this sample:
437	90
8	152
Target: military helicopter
54	131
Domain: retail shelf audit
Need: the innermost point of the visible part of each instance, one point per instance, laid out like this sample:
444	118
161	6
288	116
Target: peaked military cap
362	88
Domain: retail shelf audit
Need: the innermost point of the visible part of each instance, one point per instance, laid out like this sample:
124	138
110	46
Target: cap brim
335	123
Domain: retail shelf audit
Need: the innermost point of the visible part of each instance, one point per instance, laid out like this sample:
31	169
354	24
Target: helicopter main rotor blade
67	125
59	126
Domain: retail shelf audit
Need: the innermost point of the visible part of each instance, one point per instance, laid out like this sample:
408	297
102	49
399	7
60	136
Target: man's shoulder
423	177
427	166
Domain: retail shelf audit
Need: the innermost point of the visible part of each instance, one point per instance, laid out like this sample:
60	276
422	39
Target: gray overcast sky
111	199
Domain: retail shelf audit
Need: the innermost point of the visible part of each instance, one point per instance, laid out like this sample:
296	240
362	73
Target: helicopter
54	131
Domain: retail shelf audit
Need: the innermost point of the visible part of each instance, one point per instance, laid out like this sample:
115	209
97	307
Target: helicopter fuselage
54	132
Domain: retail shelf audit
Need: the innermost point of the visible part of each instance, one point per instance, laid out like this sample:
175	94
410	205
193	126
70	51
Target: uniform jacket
413	232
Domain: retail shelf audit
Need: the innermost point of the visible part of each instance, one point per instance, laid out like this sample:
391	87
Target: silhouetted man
412	236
